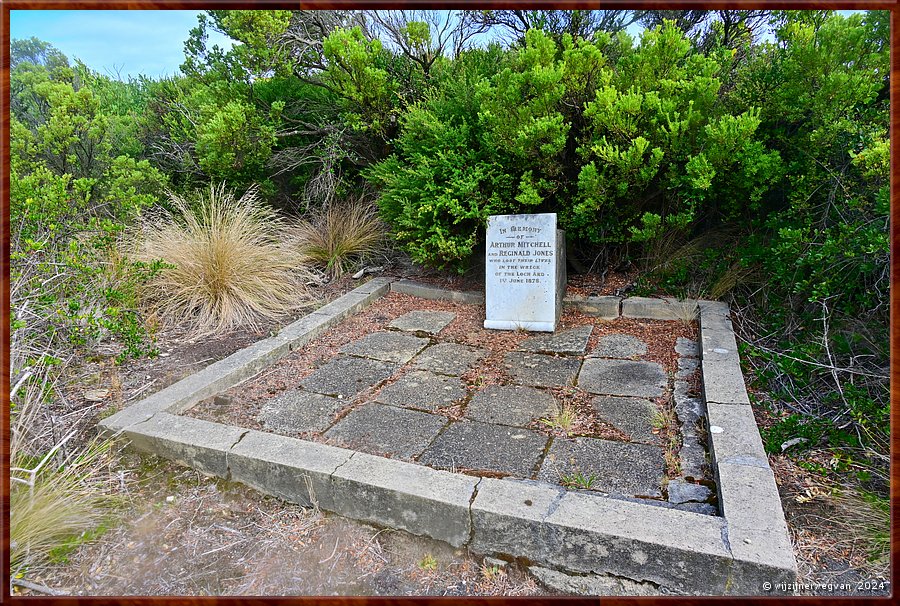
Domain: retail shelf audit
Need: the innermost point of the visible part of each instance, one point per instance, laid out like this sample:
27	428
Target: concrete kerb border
680	551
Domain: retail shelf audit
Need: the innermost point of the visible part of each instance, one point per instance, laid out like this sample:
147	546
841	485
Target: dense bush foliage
747	168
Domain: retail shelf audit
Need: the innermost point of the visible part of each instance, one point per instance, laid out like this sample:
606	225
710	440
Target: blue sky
111	42
124	43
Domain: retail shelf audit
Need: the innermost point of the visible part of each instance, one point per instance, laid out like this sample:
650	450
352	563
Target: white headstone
525	272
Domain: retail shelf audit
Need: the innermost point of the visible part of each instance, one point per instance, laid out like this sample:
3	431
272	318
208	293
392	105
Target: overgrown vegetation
721	163
226	263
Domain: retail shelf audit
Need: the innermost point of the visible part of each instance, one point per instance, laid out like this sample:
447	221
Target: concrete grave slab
572	342
449	358
539	370
386	430
622	378
619	346
386	346
618	467
633	416
298	411
423	390
510	405
485	446
576	532
430	322
346	376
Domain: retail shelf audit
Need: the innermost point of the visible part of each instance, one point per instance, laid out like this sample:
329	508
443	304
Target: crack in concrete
238	441
334	471
471	520
554	504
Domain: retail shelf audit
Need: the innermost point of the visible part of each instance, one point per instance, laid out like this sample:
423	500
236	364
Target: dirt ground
183	534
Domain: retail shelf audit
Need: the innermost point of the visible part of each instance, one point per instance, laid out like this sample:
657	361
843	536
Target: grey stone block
347	376
591	584
402	495
298	411
449	358
760	557
723	382
622	378
430	322
508	518
689	412
718	344
739	437
423	390
617	467
379	286
294	470
659	309
680	492
606	308
680	551
385	430
619	346
486	447
714	315
568	342
136	413
195	443
687	348
757	531
350	303
307	328
539	370
426	291
749	498
686	367
510	405
692	457
634	416
386	346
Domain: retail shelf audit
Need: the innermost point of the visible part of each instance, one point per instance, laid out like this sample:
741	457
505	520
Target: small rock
96	395
685	492
170	499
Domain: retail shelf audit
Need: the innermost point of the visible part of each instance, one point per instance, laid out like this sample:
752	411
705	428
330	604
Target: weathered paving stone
539	370
571	342
687	348
510	404
424	390
686	367
684	492
298	411
484	446
387	346
619	346
689	412
430	322
347	376
386	430
449	358
634	416
622	378
692	457
618	467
